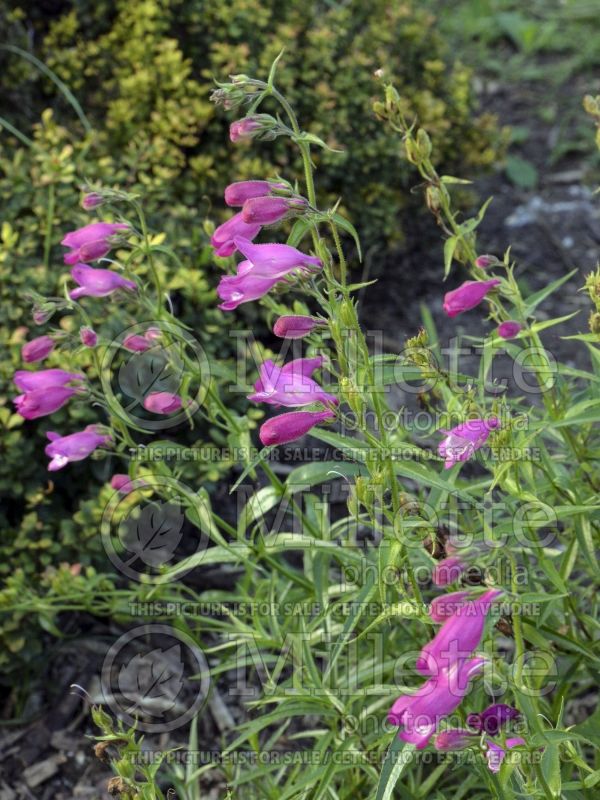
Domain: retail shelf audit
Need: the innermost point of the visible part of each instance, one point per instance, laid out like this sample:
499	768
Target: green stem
49	219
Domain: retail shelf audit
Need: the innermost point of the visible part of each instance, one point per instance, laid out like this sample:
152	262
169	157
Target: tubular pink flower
267	265
462	441
139	343
291	385
268	210
295	326
420	714
448	570
467	296
509	329
289	427
162	402
37	349
275	260
124	484
41	402
75	447
43	379
237	193
495	753
446	605
223	238
458	637
454	739
88	337
94	282
92	241
243	287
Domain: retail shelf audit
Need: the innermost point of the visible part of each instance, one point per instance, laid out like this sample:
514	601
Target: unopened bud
483	262
257	126
423	143
92	200
347	314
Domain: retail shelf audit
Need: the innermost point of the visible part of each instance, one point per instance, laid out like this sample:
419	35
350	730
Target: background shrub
142	73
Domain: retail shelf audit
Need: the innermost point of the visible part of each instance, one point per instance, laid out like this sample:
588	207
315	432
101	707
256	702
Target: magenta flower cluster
448	663
45	391
264	267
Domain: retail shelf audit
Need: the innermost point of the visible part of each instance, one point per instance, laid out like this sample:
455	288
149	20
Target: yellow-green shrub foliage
143	72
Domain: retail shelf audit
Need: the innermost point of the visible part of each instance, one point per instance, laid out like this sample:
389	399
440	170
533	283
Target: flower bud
256	126
91	200
594	322
483	262
467	296
347	314
42	312
295	326
37	349
454	739
423	143
88	337
237	193
509	329
268	210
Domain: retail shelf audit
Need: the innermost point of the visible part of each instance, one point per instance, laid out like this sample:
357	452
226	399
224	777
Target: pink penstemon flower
459	635
467	296
92	242
37	349
290	385
296	326
496	753
265	266
268	210
286	428
223	239
140	342
163	402
447	605
64	449
461	442
237	193
42	402
418	715
95	282
42	379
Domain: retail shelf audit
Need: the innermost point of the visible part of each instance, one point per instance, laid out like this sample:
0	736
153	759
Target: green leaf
449	179
347	226
551	768
257	506
299	230
521	172
535	299
320	471
262	456
449	248
399	754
